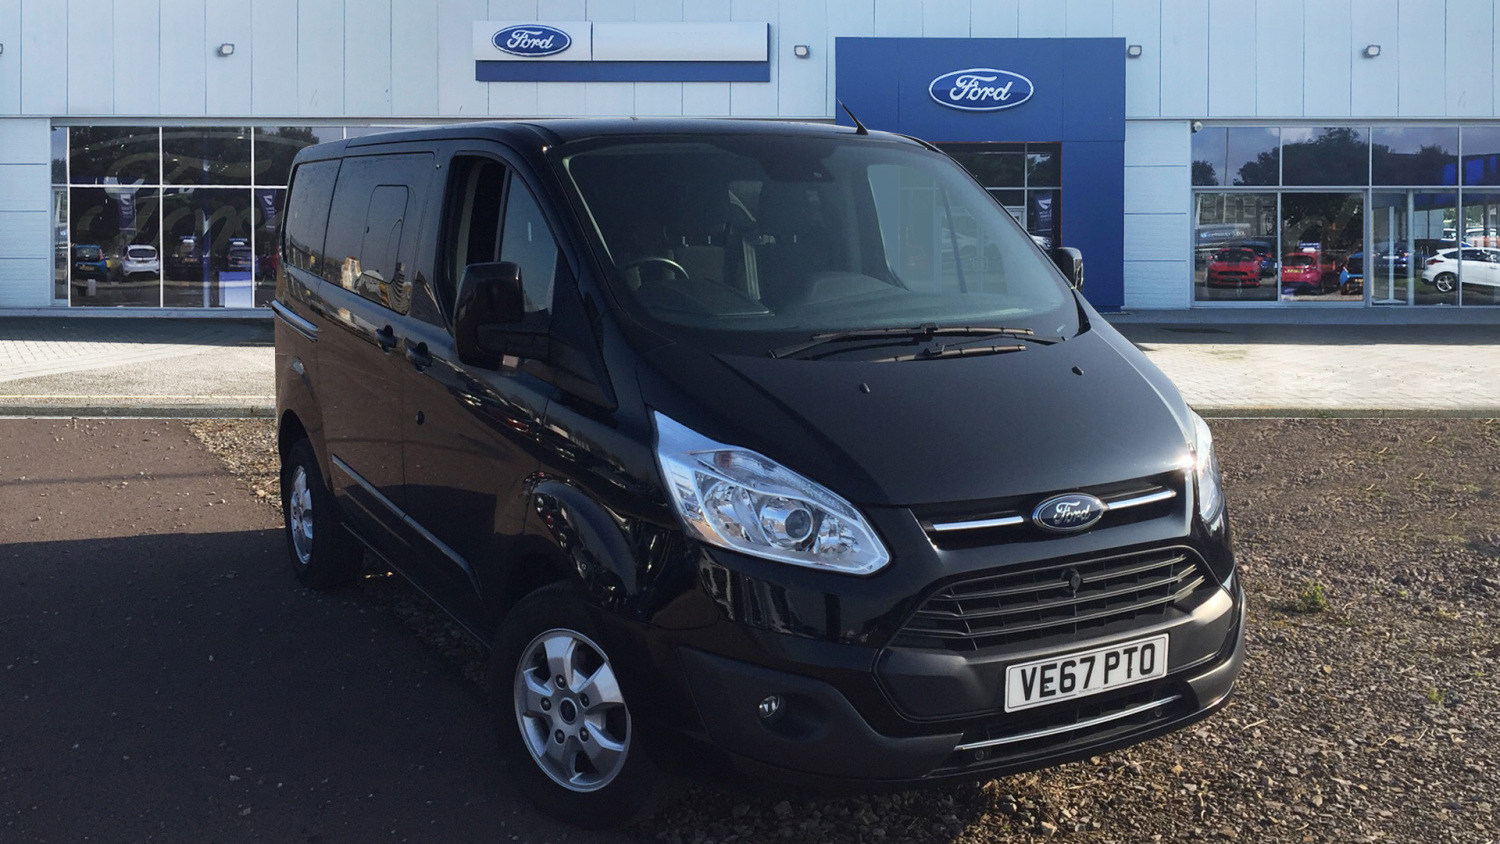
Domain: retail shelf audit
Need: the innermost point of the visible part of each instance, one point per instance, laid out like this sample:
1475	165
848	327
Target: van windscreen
758	233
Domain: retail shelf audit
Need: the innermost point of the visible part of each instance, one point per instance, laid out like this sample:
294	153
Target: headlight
737	499
1206	471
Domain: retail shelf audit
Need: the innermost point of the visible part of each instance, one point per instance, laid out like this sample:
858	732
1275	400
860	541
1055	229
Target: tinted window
306	216
365	250
1338	156
1414	155
528	243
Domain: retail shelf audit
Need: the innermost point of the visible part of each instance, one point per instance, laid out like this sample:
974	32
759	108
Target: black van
750	449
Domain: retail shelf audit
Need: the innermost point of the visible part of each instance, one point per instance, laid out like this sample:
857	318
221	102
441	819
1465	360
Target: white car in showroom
141	260
1480	267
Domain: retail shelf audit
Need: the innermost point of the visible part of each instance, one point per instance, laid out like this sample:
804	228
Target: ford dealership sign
981	89
531	40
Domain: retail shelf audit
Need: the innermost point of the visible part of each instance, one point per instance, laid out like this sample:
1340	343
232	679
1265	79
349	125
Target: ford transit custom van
749	449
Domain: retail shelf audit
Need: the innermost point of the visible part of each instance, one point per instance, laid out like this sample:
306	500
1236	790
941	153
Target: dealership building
1203	154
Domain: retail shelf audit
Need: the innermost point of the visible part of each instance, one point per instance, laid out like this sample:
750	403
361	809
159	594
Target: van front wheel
565	728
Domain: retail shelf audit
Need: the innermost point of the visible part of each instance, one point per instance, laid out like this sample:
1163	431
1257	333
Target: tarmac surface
154	367
164	678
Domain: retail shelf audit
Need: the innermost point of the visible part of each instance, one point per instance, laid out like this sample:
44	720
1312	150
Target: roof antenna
859	128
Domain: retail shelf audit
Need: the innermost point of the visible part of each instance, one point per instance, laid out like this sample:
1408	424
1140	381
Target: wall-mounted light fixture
226	49
1372	51
1133	51
1196	126
801	51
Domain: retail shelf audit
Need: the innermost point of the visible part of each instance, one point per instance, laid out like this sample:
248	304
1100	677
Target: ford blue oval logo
531	40
981	89
1064	513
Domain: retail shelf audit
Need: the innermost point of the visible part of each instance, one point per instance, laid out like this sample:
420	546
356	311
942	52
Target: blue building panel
1077	97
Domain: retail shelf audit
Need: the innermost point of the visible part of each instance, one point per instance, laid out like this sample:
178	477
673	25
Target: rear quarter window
306	215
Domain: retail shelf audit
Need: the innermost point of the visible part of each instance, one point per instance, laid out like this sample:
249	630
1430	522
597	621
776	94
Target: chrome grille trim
1140	500
1068	728
1165	494
979	524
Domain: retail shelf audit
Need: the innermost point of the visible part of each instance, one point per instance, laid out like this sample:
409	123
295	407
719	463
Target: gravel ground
1369	709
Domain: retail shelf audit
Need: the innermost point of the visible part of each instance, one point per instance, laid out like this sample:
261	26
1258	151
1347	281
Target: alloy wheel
571	712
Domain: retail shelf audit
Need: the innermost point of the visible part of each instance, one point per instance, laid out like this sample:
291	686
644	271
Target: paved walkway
1329	370
59	366
135	366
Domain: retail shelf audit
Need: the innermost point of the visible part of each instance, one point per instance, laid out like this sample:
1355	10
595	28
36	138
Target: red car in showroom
1235	266
1307	272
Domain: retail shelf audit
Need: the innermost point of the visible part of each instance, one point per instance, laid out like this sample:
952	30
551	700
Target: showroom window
1347	214
174	216
1025	178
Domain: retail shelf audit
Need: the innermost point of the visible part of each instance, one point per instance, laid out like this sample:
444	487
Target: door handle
385	338
419	356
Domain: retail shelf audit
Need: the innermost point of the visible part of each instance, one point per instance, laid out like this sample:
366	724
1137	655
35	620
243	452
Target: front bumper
819	739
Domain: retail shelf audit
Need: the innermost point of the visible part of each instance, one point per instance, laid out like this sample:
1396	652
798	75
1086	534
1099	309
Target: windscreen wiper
934	353
926	331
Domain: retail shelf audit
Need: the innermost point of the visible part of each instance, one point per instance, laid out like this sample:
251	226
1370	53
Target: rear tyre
324	555
1445	282
565	730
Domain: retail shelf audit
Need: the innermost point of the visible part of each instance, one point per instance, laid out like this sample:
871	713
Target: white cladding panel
802	83
1157	143
1156	190
184	57
1326	57
273	58
26	142
44	58
229	81
1471	51
137	44
414	51
1231	58
1158	285
1156	237
320	57
1267	59
1184	58
995	19
23	185
1278	57
1090	18
1372	89
940	18
10	81
368	39
1139	22
91	87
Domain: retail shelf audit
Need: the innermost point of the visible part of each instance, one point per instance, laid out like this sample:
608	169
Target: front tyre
324	556
564	725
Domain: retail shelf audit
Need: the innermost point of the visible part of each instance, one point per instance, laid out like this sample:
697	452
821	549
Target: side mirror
489	296
1070	261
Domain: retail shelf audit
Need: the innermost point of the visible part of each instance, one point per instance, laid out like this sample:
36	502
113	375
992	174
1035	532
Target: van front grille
1055	599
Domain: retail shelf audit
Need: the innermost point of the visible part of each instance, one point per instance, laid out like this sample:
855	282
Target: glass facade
1383	215
1025	178
172	216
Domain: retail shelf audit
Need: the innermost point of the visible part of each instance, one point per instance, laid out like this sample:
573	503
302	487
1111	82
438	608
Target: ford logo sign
981	89
1065	513
531	40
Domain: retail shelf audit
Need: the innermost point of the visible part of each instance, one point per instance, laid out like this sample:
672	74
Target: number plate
1084	673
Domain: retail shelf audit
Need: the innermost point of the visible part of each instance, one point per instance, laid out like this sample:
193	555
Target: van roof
542	133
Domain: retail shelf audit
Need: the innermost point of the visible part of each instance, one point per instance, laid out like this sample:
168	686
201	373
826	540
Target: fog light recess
769	706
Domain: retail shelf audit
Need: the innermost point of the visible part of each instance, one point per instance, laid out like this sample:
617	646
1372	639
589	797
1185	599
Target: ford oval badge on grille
1066	513
531	40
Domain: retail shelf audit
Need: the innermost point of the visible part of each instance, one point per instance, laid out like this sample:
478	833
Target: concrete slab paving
58	366
154	367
